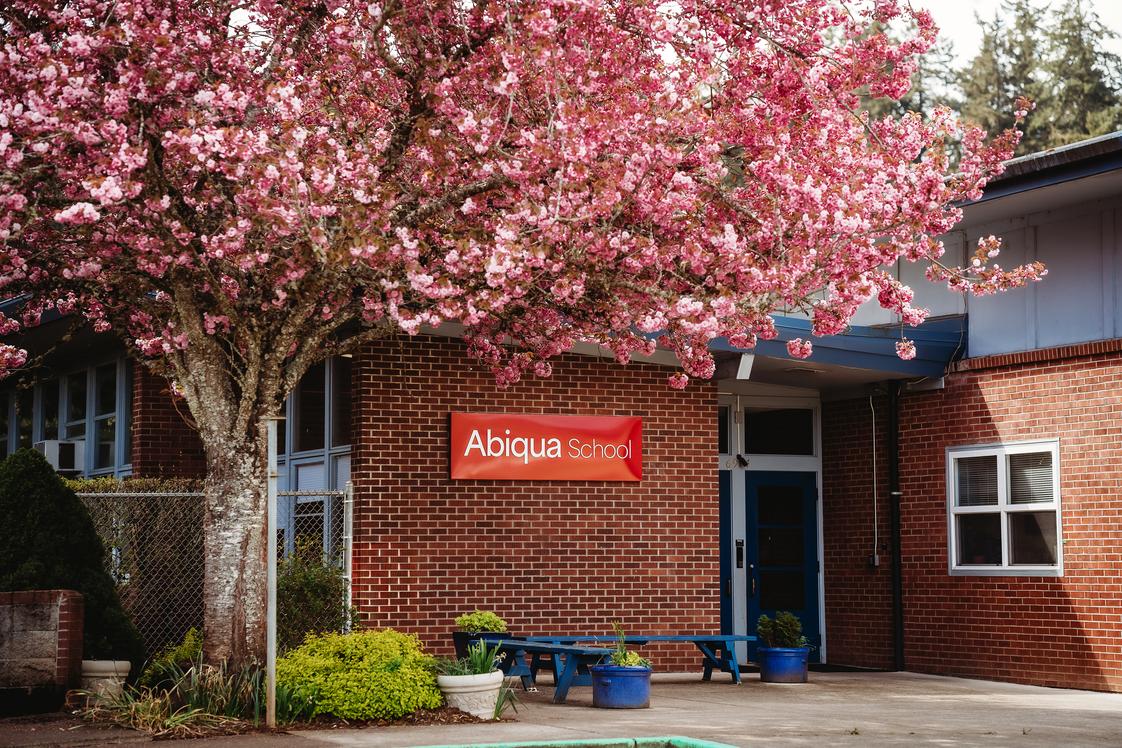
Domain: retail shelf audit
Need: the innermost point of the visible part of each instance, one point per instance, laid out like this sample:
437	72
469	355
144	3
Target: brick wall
163	442
40	638
1040	630
858	595
550	557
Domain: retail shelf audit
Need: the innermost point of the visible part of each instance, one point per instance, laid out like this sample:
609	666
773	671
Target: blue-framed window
314	453
92	404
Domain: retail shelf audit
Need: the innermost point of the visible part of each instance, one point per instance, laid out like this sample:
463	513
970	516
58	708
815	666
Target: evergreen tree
1006	66
1083	100
48	541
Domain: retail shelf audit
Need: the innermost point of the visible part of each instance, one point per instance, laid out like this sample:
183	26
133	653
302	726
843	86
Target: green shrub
786	631
311	596
362	675
173	660
47	541
480	620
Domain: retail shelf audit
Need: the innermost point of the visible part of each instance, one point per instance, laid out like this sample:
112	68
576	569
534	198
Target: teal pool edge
672	741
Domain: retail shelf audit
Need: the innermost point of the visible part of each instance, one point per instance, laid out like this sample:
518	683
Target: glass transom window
1003	506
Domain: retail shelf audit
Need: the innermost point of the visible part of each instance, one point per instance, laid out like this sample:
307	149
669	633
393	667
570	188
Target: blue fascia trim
938	342
1048	177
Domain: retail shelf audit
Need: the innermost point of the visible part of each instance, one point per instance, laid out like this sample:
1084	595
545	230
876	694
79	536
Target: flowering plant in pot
623	683
473	626
474	684
783	656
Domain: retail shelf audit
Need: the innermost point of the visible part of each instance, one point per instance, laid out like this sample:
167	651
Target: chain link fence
154	551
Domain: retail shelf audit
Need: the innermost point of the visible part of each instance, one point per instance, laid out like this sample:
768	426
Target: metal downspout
894	494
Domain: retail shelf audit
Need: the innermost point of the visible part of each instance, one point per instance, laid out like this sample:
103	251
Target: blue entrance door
782	549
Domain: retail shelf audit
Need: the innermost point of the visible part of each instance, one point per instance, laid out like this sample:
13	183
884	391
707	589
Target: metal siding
1001	323
1069	306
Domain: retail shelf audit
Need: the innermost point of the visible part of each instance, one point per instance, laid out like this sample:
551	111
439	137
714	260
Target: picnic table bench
566	661
718	650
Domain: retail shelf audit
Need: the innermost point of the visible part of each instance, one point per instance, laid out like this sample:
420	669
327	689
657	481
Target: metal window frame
1003	508
122	411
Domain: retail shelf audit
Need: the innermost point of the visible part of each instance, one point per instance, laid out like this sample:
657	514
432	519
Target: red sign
497	446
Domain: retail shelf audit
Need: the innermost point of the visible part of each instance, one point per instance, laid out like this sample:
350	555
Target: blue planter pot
782	664
464	639
616	687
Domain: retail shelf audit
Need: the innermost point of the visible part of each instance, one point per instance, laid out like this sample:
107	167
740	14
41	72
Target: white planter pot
104	677
475	694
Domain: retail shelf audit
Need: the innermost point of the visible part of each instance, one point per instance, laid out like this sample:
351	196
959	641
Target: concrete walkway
854	709
849	709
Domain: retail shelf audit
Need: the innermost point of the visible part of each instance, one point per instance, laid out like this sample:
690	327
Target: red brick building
960	513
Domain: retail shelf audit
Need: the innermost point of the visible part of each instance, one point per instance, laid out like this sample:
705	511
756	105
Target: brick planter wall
41	639
550	557
1040	630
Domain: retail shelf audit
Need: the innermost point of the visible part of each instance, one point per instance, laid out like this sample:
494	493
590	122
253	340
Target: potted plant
472	684
625	683
473	626
783	656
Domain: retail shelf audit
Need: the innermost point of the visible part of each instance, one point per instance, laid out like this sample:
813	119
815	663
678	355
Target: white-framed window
1003	510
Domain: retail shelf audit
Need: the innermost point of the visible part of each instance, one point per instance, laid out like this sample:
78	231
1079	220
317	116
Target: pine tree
1007	66
1083	76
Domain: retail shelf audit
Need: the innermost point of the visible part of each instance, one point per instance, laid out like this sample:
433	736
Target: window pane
977	480
1032	538
24	406
340	402
308	531
786	431
105	434
49	399
979	539
106	383
1030	478
76	400
782	590
310	404
723	430
780	505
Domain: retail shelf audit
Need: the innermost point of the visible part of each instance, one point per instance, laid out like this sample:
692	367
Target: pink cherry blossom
240	195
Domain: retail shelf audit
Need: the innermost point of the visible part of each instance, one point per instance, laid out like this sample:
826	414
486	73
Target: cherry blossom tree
240	189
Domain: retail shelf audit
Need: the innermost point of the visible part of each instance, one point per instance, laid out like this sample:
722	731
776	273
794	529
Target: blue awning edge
938	341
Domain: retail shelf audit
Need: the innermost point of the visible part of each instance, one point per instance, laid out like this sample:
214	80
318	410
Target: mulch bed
445	715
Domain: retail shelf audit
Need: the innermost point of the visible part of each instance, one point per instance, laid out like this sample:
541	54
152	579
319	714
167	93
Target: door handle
728	586
751	580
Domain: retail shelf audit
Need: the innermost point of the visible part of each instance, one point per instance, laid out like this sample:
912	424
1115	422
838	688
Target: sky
955	19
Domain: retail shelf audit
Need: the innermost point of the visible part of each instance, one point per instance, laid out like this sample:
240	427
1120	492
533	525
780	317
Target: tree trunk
234	543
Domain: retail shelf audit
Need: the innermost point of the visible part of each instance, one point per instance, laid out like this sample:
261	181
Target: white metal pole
348	543
271	581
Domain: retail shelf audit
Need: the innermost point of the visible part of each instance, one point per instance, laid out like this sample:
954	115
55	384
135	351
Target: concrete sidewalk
856	709
850	709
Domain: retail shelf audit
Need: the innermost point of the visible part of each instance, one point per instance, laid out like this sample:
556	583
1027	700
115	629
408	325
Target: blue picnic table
566	661
718	651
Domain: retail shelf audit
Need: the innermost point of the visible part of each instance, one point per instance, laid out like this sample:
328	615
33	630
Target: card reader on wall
740	554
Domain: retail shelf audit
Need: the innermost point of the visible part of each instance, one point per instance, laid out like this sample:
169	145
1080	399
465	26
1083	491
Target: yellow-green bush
363	675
